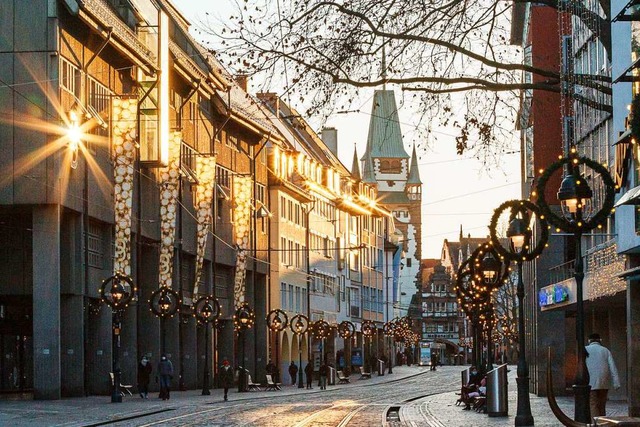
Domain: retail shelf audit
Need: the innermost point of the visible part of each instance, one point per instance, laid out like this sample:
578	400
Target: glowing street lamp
299	325
116	292
577	217
206	310
277	321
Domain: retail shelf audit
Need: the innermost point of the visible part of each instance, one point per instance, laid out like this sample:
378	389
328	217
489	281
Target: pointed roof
414	171
385	135
355	166
368	175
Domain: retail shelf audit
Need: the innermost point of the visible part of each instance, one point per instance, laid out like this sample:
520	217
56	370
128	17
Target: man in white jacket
602	375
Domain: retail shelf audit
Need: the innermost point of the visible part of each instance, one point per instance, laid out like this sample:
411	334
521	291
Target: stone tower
387	164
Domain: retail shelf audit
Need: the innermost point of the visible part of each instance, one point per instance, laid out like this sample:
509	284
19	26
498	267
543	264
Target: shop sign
553	295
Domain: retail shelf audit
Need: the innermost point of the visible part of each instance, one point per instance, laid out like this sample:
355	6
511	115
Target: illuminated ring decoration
160	293
250	316
368	328
199	306
388	328
569	226
477	255
271	319
346	329
519	206
321	329
106	294
299	319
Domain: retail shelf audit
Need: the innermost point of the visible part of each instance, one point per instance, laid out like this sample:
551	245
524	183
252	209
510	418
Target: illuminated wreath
388	328
599	218
272	316
368	328
519	206
127	288
164	302
201	305
346	329
250	316
476	257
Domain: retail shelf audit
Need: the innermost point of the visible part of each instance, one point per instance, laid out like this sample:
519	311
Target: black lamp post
578	217
299	325
519	249
206	311
243	319
277	320
321	330
164	302
388	331
116	291
368	329
347	330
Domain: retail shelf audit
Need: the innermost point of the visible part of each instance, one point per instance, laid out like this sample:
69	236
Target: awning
631	197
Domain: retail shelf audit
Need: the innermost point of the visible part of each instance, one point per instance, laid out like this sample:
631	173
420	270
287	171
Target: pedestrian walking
144	376
165	375
602	375
293	371
323	376
308	371
226	377
434	361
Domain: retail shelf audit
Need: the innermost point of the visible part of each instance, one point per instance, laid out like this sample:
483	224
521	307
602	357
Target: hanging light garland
169	185
206	173
124	133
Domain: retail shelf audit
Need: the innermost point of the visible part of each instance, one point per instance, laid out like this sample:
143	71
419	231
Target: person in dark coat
226	377
165	375
434	361
144	375
293	371
308	370
323	376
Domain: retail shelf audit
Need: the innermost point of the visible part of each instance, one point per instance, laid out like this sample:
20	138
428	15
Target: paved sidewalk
440	410
98	410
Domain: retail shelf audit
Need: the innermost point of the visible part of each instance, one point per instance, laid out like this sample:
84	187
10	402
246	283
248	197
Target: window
298	299
95	245
223	177
283	295
409	262
69	77
291	297
232	142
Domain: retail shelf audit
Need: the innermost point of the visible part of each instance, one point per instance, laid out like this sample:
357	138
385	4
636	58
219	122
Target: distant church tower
387	164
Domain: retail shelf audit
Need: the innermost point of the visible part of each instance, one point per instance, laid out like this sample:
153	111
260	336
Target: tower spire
355	166
414	170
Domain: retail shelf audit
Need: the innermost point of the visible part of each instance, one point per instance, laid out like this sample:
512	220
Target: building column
46	302
633	355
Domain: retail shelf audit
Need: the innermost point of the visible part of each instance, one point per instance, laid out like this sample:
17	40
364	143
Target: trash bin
380	367
497	402
331	376
466	374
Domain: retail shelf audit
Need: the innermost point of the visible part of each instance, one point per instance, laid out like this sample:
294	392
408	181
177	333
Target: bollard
380	367
331	376
497	401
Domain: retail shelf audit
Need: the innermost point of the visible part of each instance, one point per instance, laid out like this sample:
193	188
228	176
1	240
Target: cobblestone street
421	398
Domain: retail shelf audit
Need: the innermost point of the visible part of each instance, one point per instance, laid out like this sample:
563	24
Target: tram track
341	411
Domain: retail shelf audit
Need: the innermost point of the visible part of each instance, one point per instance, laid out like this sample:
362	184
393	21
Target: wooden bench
342	378
364	375
617	421
251	386
272	386
123	387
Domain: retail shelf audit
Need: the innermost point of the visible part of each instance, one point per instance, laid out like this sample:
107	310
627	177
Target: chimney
330	137
242	80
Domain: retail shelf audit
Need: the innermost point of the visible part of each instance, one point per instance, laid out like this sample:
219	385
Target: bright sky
455	189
